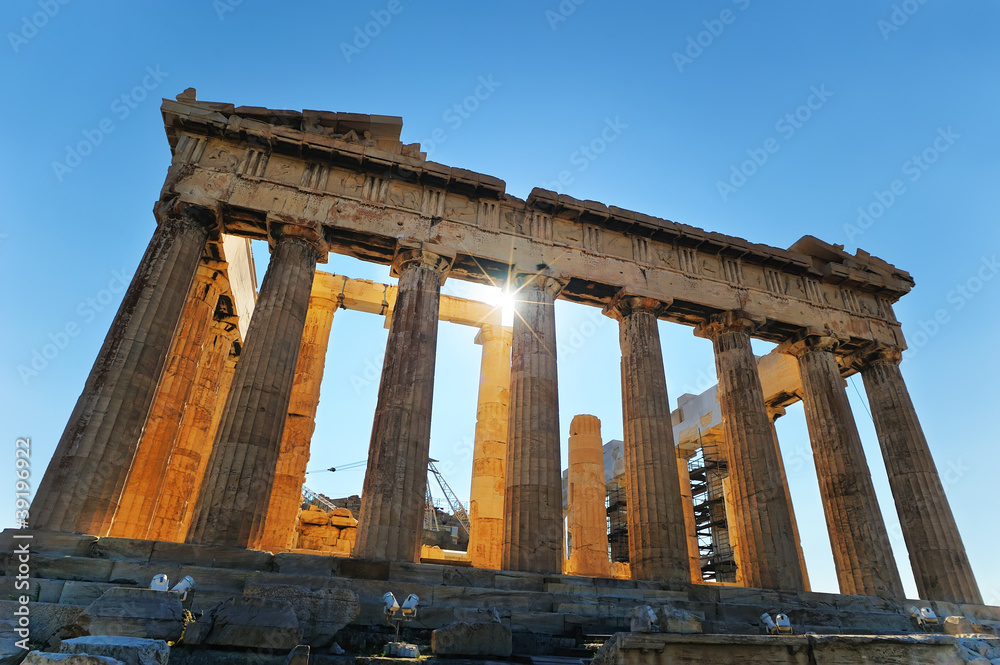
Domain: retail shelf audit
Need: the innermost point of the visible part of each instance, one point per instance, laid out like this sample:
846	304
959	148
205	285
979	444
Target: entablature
369	196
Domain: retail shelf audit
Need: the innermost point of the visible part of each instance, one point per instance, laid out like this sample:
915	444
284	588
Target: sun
504	300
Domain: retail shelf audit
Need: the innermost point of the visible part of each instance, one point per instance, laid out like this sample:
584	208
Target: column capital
170	213
280	230
416	254
550	283
810	341
213	271
734	320
489	332
226	325
774	412
874	354
585	423
626	302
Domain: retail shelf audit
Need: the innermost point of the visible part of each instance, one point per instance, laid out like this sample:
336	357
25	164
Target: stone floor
546	613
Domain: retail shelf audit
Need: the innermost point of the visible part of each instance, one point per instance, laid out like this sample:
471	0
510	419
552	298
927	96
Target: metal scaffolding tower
617	523
708	468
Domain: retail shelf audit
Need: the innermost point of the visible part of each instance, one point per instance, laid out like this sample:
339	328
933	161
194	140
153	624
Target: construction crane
430	515
457	509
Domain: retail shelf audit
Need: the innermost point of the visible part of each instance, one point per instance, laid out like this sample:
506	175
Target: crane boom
457	509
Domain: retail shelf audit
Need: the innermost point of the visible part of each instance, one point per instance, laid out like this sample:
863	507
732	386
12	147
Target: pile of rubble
322	531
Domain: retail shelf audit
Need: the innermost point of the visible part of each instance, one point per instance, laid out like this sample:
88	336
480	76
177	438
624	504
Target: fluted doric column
232	505
657	539
394	494
290	473
533	525
690	528
171	516
763	526
84	480
773	413
489	458
861	550
159	437
587	519
937	555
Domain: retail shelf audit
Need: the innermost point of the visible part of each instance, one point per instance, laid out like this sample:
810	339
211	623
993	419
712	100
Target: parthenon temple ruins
188	446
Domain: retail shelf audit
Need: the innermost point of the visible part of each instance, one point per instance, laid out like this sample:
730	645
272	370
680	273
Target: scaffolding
707	469
617	523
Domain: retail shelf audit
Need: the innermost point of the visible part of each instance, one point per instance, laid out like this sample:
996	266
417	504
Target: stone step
638	595
73	570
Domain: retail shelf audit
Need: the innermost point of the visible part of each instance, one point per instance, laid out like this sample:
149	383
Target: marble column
657	539
489	458
290	473
937	555
587	515
159	437
762	526
85	477
533	524
171	516
390	526
232	504
861	550
773	413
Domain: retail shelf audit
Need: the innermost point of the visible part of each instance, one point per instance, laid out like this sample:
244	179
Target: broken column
489	458
937	555
290	473
533	525
159	436
657	541
860	543
234	496
84	480
393	498
762	526
171	515
588	516
690	528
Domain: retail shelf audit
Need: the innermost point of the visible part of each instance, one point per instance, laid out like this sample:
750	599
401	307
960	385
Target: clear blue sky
686	113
